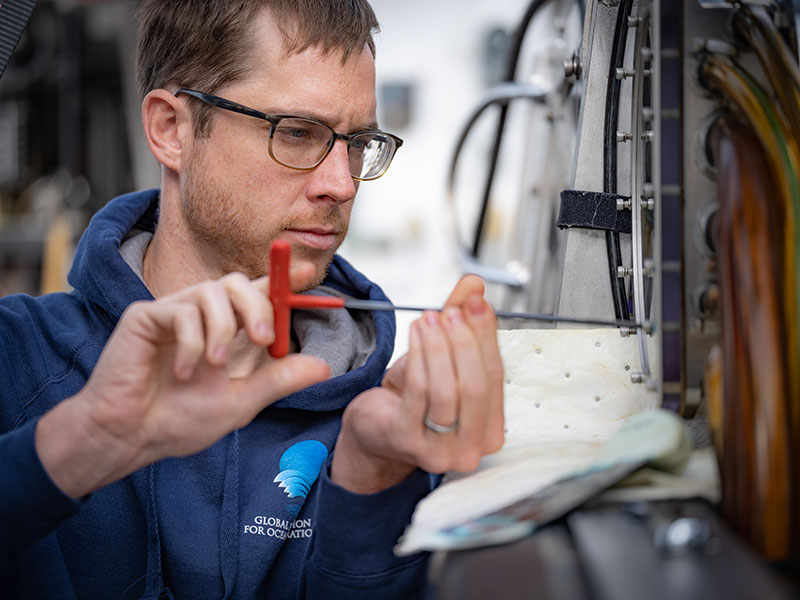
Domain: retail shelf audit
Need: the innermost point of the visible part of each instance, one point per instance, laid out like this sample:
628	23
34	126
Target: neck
174	259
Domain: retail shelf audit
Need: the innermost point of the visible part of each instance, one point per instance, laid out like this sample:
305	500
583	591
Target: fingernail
262	329
432	319
453	316
476	305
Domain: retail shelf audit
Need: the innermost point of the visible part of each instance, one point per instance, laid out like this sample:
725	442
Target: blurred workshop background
70	137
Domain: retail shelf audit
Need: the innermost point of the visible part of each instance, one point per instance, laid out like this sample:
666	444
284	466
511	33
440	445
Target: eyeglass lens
302	144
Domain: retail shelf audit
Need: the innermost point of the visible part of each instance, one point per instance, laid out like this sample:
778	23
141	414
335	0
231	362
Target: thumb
275	380
468	285
301	277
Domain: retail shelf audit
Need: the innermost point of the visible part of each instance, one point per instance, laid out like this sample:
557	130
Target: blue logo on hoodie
300	467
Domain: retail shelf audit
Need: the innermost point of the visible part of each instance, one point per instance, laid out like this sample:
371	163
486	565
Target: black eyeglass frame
273	120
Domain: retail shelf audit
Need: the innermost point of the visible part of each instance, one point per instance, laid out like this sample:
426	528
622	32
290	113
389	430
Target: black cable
647	99
511	71
613	248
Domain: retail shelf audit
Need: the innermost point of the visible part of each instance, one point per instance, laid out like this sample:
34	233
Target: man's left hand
452	376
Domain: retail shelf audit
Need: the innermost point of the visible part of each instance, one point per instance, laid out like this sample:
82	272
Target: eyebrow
369	126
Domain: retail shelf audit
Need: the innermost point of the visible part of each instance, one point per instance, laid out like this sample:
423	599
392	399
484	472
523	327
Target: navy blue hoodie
253	516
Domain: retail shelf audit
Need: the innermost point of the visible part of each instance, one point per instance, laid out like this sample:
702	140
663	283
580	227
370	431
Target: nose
331	180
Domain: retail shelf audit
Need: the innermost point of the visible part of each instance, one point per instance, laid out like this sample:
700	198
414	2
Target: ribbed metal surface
14	15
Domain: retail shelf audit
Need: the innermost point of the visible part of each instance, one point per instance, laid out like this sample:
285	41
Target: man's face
237	200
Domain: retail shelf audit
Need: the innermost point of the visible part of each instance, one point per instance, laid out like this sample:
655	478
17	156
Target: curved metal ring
439	428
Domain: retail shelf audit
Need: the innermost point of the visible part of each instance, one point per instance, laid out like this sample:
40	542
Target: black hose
511	71
648	176
613	248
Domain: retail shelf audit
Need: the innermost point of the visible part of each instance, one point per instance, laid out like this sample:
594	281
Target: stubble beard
223	225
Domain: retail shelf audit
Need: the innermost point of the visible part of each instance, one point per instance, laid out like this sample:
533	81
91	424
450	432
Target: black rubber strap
14	16
593	210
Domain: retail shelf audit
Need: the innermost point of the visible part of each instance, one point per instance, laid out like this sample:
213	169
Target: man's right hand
160	387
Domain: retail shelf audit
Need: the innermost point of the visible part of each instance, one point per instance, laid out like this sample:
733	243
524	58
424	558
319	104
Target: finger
415	395
275	380
395	377
481	319
301	277
218	318
178	323
190	343
251	307
469	285
442	386
471	388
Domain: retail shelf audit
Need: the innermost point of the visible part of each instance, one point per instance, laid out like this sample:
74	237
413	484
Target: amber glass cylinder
759	458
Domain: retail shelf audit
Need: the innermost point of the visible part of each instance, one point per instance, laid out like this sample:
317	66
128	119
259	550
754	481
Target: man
175	457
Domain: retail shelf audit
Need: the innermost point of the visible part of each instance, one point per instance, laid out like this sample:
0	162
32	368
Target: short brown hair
201	44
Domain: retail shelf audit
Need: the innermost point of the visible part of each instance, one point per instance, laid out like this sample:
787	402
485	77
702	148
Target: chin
320	259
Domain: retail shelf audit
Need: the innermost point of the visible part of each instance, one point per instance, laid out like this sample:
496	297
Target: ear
167	126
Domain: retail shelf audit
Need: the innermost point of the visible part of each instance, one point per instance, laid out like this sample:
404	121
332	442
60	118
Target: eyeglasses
302	143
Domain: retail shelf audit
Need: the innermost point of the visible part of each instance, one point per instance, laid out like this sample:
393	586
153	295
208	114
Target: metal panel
700	331
585	288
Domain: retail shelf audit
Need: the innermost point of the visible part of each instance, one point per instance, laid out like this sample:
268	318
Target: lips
317	238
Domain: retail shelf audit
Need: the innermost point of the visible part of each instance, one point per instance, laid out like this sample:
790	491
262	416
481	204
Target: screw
623	203
624	73
624	136
572	68
624	272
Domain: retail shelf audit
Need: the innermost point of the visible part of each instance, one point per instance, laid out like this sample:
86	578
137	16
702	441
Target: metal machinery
680	121
64	141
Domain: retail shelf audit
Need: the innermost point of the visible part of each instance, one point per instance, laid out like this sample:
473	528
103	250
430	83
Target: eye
294	132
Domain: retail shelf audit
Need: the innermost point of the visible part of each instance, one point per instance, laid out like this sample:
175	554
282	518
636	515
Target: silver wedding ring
439	428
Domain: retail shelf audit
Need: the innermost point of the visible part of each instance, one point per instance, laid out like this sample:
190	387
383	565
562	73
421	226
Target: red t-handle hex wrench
283	300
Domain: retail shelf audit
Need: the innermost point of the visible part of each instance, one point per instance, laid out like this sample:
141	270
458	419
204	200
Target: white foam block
569	384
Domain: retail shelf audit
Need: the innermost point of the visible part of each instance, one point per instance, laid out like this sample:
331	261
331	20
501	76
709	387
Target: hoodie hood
100	274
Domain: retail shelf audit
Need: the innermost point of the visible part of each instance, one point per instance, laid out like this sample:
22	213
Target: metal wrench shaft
283	301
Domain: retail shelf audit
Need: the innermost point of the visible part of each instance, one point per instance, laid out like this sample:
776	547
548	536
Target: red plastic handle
283	300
